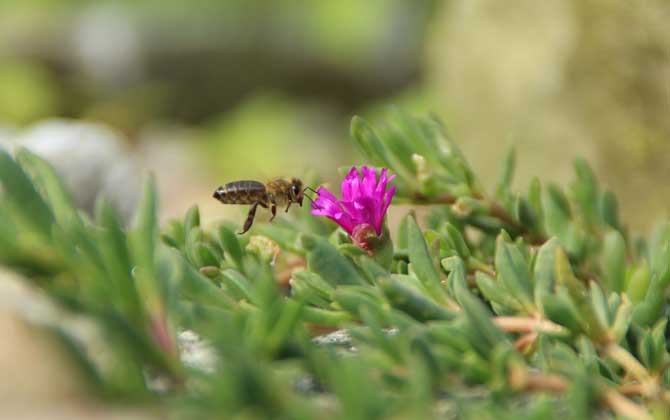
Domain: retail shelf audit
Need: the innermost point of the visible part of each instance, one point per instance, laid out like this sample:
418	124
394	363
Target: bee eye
296	190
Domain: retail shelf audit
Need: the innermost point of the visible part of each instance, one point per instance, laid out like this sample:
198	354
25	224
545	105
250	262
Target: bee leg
250	218
273	207
288	207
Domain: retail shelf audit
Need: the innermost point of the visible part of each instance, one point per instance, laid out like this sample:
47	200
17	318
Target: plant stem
632	366
496	211
520	379
476	265
523	343
631	389
518	324
623	406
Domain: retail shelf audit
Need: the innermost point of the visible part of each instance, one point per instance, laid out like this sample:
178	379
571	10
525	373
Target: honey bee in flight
277	192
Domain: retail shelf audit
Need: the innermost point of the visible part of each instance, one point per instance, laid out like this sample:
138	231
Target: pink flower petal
383	181
323	192
388	196
325	204
355	184
348	184
369	181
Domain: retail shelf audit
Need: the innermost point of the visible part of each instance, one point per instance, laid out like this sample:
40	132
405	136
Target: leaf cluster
533	304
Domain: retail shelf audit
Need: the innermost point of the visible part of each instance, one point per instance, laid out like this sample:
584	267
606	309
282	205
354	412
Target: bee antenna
312	190
310	198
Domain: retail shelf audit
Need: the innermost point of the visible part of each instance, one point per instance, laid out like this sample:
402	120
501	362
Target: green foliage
516	305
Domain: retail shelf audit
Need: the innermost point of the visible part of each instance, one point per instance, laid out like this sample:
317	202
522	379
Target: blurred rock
339	338
196	353
107	45
91	160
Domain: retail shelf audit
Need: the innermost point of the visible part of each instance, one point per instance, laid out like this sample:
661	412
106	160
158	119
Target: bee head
296	191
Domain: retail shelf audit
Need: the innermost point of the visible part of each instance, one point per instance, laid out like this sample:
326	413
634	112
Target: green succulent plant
533	304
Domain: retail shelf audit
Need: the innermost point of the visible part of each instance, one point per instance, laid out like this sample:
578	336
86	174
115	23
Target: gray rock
107	46
89	157
196	353
339	338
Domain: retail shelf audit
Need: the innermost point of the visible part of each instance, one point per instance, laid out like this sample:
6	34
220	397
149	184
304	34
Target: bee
277	192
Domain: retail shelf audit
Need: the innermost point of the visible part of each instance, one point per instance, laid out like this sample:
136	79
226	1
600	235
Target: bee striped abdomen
241	192
277	192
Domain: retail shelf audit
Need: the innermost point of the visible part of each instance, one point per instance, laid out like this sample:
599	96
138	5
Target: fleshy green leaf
20	191
513	273
327	262
411	301
367	140
609	210
614	261
544	272
58	197
192	218
495	292
456	240
638	282
231	246
485	334
421	262
585	189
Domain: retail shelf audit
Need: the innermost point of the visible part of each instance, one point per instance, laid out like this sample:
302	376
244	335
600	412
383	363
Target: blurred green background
211	91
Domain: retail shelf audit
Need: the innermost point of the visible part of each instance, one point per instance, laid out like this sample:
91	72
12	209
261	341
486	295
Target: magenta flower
363	205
